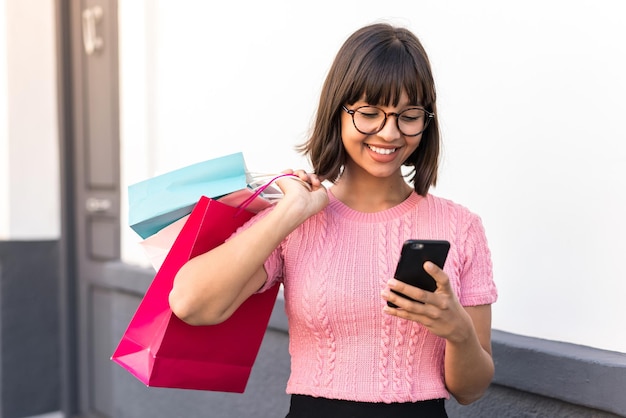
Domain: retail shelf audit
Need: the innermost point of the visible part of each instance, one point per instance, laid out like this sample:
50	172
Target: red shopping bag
161	350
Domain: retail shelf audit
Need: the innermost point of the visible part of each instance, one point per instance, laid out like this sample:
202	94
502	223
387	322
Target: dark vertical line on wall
67	285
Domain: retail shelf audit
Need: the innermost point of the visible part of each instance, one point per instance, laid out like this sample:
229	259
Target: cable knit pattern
327	348
385	340
310	313
334	267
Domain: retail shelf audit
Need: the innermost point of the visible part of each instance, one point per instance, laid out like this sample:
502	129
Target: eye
412	115
369	112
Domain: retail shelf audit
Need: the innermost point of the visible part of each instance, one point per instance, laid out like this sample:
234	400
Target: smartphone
410	268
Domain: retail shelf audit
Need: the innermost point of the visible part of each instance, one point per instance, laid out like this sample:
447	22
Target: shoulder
462	224
449	207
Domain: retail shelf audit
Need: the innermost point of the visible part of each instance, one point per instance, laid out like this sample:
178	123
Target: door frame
67	286
76	342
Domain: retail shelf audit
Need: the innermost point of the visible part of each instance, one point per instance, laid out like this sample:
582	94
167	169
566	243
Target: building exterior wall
29	328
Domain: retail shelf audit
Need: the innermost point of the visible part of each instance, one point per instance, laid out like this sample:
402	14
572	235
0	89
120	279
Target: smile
382	151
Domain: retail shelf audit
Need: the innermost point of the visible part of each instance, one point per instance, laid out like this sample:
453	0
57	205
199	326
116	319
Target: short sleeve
477	284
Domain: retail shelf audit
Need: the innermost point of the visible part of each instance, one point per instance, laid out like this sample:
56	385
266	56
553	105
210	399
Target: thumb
443	282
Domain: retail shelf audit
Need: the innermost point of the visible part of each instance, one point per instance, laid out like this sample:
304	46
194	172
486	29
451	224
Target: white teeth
383	151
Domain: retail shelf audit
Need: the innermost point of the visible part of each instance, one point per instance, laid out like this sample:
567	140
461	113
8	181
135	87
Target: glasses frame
429	117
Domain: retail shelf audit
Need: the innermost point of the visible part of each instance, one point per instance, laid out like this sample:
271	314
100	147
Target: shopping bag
257	196
157	246
160	200
161	350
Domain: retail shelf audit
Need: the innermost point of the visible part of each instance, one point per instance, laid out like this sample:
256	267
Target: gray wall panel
29	328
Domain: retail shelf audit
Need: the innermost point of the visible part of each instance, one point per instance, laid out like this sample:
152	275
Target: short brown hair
378	62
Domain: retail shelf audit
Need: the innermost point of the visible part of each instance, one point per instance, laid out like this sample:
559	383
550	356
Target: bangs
388	71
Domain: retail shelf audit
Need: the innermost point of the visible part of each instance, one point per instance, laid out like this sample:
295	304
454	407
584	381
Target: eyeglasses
370	120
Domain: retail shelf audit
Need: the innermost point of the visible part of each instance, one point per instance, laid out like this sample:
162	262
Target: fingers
423	297
427	308
310	180
415	293
419	309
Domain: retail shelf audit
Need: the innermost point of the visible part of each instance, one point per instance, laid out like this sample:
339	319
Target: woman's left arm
468	364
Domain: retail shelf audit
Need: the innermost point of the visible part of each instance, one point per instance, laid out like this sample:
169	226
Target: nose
390	131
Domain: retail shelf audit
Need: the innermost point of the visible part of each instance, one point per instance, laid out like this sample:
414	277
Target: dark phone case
412	258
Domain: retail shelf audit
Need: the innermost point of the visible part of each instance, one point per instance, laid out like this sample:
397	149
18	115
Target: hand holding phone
410	268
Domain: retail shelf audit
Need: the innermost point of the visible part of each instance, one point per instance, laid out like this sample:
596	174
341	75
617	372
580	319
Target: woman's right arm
211	286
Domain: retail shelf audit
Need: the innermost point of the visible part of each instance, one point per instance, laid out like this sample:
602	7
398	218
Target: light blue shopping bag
157	202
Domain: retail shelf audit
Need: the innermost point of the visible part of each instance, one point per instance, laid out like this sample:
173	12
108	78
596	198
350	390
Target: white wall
535	143
4	128
29	161
531	103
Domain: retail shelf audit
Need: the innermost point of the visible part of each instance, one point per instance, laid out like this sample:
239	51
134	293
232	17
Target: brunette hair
378	62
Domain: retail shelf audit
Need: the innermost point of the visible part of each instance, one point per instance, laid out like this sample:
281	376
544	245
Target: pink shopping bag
161	350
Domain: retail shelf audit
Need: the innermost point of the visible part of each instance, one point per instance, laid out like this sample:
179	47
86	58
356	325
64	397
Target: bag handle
260	190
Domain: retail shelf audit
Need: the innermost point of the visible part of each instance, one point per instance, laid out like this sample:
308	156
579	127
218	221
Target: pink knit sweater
334	267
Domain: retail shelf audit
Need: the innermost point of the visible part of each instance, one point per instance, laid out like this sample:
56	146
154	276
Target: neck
371	194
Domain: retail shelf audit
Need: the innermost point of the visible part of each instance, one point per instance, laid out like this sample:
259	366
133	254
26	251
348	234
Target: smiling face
387	67
381	154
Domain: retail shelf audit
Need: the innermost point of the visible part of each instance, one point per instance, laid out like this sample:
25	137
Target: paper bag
157	246
161	350
159	201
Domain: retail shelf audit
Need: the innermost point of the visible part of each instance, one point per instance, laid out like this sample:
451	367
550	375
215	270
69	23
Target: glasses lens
412	121
368	119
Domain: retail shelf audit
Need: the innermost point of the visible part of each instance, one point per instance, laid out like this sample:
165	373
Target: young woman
336	251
